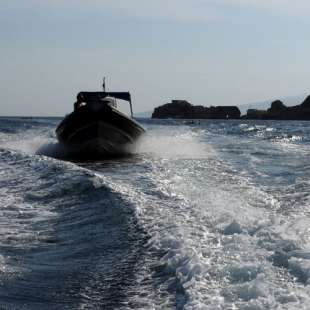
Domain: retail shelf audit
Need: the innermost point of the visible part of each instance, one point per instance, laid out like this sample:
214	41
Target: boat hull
98	133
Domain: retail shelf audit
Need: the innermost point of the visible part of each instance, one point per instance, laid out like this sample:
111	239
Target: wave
199	217
67	238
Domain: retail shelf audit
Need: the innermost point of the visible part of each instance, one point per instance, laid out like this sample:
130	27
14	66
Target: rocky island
182	109
278	111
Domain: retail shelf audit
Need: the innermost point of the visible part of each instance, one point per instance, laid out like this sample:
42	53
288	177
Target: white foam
226	241
176	143
218	232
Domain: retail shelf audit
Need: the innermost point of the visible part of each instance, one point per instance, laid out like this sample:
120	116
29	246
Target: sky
209	52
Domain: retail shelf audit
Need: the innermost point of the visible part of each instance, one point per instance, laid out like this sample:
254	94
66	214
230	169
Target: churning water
214	215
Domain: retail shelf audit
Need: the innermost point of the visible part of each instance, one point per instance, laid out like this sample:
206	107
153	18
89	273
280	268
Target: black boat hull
98	132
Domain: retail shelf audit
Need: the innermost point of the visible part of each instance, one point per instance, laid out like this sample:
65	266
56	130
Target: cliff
185	110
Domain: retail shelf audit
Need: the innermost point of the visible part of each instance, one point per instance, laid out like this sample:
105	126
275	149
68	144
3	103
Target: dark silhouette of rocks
255	114
175	109
278	111
184	110
276	107
306	103
220	112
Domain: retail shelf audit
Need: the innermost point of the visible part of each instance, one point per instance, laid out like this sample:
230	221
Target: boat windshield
110	101
109	98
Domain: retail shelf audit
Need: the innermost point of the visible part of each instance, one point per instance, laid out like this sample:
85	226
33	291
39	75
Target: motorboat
96	127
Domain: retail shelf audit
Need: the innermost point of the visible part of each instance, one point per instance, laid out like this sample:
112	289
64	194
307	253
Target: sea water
203	215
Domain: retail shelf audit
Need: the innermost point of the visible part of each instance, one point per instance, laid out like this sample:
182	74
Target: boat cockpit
96	99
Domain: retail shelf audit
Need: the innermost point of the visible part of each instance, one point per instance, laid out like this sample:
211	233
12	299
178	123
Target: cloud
200	10
181	10
184	10
171	9
280	7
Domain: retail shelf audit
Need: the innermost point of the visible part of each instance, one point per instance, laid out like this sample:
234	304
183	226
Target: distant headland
182	109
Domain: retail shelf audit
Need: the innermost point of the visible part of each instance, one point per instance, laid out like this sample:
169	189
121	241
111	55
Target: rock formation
175	109
185	110
278	111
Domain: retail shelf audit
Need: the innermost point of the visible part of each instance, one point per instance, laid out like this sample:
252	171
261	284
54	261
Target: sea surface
204	215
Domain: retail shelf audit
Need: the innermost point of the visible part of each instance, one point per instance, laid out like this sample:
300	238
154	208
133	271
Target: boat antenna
103	84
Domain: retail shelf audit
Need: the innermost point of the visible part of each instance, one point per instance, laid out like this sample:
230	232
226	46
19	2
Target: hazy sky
210	52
